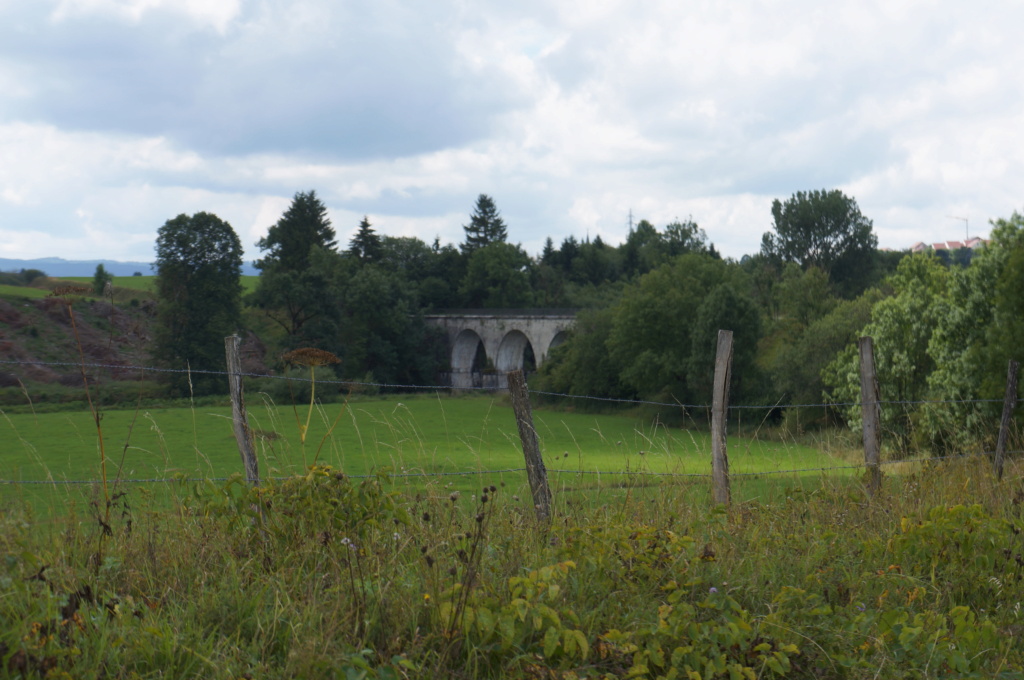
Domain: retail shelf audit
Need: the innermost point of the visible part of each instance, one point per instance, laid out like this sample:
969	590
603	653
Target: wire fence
479	473
449	388
465	473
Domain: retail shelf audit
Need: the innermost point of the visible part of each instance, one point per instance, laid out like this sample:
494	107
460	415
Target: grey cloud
354	85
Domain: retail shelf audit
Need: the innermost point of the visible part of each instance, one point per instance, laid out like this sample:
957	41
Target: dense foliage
199	263
323	575
648	310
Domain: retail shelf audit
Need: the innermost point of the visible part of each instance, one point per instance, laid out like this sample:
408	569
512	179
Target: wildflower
311	357
426	597
64	291
345	540
712	590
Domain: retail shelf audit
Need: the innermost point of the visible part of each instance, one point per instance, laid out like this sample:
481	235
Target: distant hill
58	267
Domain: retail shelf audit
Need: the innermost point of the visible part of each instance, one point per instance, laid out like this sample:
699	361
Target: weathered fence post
871	413
535	470
1009	402
243	433
719	419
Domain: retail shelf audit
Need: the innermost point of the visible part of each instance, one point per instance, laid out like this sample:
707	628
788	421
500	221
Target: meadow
337	566
417	437
148	283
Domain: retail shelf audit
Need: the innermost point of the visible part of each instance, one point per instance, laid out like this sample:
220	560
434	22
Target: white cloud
116	115
214	13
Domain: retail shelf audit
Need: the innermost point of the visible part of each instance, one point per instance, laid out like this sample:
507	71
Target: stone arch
514	348
559	339
465	349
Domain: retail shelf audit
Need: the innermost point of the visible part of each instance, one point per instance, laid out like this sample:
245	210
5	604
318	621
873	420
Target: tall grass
352	569
345	577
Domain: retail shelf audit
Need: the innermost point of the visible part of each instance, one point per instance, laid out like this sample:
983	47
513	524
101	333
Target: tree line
649	307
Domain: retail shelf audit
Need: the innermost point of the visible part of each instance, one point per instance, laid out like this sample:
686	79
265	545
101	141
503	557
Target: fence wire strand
634	473
447	388
557	471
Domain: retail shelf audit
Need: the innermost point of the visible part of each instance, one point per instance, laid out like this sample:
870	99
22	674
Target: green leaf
551	641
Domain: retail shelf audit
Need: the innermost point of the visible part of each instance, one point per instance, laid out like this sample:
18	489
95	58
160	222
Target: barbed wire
557	471
447	388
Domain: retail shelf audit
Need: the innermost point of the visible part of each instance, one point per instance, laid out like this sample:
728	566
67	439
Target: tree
292	289
305	224
653	326
497	276
582	365
100	279
303	303
365	245
684	237
383	339
485	226
902	327
199	267
823	229
724	309
979	330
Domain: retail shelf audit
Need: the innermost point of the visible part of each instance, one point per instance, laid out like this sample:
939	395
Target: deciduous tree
100	279
199	266
497	276
823	229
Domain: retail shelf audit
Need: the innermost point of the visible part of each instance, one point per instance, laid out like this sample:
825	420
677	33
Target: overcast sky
116	115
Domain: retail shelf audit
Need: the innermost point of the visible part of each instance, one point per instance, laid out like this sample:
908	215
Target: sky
573	115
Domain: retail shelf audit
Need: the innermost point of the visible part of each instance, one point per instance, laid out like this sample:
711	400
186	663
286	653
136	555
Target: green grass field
801	576
22	291
410	435
148	283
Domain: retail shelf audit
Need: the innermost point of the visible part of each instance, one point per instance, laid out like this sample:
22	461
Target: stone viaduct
484	345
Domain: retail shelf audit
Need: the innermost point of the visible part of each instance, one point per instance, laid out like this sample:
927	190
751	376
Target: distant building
949	246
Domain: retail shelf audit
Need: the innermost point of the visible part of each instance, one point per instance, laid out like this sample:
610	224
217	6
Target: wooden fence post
535	470
871	413
1009	403
719	419
243	433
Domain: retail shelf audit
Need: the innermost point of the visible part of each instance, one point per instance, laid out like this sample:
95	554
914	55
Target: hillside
115	334
39	329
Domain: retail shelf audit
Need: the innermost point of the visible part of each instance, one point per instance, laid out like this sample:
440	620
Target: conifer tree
366	244
305	224
485	226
